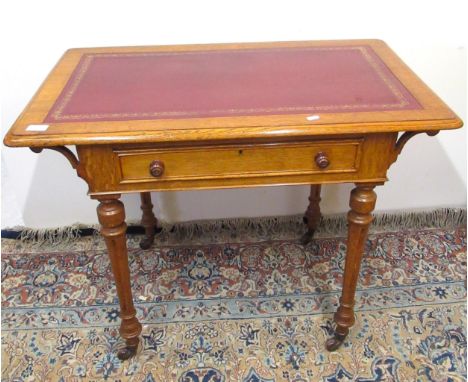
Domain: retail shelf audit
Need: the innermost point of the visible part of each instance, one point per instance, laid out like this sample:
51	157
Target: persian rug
248	305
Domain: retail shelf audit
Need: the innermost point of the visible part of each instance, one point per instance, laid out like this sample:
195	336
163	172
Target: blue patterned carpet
251	311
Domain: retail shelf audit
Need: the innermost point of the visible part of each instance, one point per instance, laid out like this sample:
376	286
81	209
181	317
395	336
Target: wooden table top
227	91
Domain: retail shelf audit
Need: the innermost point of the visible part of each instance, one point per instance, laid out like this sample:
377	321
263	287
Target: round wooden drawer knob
322	161
156	168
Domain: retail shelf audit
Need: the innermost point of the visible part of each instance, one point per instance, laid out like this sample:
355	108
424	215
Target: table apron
110	169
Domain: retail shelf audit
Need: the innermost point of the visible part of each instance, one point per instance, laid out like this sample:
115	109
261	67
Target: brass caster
334	343
307	237
146	242
126	353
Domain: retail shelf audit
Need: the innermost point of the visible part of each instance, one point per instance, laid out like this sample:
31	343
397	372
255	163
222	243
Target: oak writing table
230	115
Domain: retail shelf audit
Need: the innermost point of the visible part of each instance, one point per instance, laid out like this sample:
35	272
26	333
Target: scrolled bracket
65	151
405	137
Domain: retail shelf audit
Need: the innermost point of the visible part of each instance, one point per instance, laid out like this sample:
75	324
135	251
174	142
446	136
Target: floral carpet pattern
253	311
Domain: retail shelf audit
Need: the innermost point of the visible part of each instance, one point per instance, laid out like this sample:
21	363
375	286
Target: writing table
230	115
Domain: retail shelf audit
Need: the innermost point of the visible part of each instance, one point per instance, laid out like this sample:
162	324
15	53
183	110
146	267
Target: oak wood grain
148	220
116	157
312	215
237	161
434	115
206	166
362	203
111	214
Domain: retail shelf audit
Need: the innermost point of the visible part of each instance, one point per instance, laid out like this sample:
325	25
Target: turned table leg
148	220
111	214
362	203
312	215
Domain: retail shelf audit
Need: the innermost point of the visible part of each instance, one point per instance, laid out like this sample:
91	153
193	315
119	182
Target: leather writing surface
156	85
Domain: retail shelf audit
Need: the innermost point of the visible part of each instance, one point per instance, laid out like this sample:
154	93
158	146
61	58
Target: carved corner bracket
67	153
405	137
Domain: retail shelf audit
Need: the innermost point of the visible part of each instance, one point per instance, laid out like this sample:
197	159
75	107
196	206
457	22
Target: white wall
43	191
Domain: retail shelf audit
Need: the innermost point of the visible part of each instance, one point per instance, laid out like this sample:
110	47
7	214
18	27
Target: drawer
239	161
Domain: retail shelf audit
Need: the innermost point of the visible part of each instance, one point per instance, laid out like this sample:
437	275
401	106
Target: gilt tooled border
87	60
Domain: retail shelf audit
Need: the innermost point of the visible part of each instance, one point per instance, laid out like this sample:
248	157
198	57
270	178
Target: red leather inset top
132	86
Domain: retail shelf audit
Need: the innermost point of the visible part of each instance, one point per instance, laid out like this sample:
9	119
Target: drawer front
240	161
